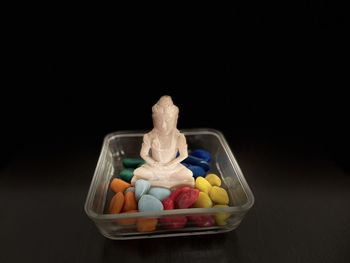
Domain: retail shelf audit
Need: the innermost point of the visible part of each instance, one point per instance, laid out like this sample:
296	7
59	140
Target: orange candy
118	185
127	221
146	224
117	203
130	202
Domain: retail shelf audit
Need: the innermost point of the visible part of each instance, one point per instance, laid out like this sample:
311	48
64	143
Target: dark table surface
244	69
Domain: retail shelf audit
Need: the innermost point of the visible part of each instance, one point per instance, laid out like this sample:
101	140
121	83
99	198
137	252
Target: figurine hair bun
165	105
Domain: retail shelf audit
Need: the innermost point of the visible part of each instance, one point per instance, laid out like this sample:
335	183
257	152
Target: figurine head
165	114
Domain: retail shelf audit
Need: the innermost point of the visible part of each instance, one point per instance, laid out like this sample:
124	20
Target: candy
132	162
117	203
213	179
127	221
202	154
142	197
220	218
202	221
168	203
186	198
178	191
203	185
130	202
141	188
159	192
203	201
127	174
219	195
197	161
173	222
149	203
130	189
146	224
118	185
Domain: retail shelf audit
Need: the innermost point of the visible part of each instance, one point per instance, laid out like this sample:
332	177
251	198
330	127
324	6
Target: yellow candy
220	218
213	179
203	185
219	195
203	201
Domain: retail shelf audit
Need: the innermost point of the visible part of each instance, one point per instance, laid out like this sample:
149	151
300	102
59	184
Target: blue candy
129	189
149	203
196	161
141	188
202	154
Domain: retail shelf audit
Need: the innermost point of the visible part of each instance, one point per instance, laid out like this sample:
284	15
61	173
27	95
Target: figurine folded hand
156	164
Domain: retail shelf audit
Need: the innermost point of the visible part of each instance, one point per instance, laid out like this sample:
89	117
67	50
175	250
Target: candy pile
143	197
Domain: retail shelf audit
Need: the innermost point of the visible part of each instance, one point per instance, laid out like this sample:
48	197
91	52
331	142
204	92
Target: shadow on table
203	248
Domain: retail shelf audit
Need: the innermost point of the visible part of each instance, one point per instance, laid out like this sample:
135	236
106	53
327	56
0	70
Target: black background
81	73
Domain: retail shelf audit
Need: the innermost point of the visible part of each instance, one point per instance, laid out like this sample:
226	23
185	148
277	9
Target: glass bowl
125	144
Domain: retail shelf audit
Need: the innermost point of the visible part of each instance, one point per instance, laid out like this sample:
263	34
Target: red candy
183	197
168	203
202	221
187	198
173	222
178	191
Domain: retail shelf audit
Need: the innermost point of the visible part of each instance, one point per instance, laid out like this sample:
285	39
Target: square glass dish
127	144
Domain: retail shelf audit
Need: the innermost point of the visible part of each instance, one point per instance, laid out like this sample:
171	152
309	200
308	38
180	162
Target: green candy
127	174
132	162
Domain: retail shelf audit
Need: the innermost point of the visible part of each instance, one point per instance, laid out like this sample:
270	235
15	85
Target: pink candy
168	203
173	222
178	191
202	221
187	198
183	197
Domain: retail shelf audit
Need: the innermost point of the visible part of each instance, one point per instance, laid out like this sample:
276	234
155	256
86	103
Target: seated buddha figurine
163	149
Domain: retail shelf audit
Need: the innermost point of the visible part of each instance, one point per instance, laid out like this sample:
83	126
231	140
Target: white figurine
160	147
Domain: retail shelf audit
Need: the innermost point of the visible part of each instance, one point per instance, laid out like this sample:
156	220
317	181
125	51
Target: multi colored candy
207	193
